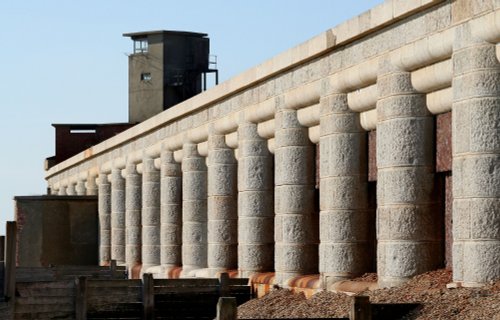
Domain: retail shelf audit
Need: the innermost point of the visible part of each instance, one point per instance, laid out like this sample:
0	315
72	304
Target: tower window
141	45
146	76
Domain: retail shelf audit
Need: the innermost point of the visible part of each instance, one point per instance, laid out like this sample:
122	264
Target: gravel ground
429	289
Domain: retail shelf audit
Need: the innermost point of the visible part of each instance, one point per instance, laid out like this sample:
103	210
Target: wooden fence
156	298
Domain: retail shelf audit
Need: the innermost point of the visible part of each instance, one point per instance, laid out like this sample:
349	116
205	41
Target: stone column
62	190
255	203
133	181
344	216
91	186
171	211
104	211
476	160
70	189
194	209
117	216
80	188
150	214
222	204
296	222
408	228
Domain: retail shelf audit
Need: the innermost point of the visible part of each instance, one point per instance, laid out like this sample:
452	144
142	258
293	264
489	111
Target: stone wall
56	230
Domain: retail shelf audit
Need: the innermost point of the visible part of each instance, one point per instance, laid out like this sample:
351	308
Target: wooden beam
81	298
227	309
148	301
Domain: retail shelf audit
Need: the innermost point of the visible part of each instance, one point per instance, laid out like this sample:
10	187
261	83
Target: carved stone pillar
194	210
222	204
255	203
296	222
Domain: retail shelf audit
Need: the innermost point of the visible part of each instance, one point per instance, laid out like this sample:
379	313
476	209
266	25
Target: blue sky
65	62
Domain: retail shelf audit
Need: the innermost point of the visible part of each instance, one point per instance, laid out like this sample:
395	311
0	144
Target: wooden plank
47	284
239	282
223	284
81	298
134	293
148	301
182	290
360	308
114	283
227	309
185	282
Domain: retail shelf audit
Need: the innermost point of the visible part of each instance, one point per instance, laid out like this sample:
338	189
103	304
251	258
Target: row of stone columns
217	213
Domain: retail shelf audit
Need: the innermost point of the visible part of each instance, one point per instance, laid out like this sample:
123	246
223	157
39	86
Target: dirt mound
429	289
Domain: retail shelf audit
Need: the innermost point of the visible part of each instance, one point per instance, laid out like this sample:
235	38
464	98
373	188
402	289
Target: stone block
343	154
294	199
294	165
405	142
333	104
348	192
194	185
405	259
171	213
194	233
343	226
221	180
299	229
292	137
118	236
394	83
256	230
221	207
256	257
458	261
170	255
402	106
474	59
481	83
477	176
171	188
222	231
194	210
151	195
296	258
485	125
461	220
221	156
171	234
194	164
408	222
151	216
412	185
222	256
194	255
255	173
252	148
132	218
481	265
255	203
484	217
151	254
151	235
340	123
346	260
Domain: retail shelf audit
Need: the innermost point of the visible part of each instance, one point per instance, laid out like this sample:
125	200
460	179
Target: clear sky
64	61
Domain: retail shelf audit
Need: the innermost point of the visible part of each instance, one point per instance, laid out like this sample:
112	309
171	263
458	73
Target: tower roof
142	34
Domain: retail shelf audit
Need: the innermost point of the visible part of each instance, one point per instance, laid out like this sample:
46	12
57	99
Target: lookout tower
165	68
